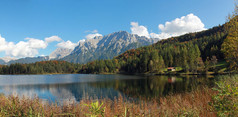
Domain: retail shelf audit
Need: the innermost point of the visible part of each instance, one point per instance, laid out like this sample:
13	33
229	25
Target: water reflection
154	86
75	87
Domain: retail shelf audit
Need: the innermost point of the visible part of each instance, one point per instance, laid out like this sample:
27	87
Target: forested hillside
209	41
191	53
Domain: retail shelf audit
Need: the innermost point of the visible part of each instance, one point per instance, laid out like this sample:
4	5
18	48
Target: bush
95	109
225	102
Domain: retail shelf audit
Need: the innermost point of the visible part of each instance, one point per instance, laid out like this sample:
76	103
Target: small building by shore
171	69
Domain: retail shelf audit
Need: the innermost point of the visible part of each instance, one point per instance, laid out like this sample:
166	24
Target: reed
193	103
199	102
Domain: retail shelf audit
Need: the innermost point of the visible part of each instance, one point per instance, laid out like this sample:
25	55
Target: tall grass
199	102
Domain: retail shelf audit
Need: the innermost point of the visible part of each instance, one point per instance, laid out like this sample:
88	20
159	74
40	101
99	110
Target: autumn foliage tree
230	44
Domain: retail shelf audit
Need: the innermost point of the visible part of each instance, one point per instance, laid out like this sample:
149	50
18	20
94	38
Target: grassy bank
222	100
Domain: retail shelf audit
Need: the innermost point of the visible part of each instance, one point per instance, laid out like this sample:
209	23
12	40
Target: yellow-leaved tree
230	44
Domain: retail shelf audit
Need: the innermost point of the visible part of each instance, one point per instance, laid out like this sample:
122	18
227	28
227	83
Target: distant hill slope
55	55
29	60
2	62
5	60
107	47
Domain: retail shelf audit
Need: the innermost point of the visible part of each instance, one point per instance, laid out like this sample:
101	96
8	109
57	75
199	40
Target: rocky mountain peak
107	47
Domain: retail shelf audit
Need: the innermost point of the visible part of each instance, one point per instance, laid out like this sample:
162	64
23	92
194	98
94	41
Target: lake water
74	87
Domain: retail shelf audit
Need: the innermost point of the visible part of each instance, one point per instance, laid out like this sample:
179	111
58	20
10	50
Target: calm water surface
75	87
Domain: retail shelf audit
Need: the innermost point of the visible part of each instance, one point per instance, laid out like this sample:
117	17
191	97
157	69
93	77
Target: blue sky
74	19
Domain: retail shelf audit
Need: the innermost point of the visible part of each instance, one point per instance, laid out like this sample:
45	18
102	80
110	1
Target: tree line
194	53
42	67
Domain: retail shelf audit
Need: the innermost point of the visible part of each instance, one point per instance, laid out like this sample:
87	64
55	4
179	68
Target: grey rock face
107	47
60	53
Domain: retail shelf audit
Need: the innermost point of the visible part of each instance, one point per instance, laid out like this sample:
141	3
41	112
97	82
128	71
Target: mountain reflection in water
75	87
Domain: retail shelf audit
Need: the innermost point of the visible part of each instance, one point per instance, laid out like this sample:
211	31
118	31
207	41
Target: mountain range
107	47
99	47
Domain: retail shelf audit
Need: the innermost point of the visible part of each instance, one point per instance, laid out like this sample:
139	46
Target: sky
31	28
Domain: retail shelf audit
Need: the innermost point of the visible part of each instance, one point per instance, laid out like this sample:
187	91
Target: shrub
95	109
225	102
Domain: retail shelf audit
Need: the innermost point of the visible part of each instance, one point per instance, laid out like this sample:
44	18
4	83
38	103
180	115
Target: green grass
221	64
219	68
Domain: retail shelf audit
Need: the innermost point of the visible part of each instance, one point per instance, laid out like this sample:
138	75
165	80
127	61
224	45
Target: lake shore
180	104
199	102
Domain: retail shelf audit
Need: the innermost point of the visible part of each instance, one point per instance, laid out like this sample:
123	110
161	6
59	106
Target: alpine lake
74	87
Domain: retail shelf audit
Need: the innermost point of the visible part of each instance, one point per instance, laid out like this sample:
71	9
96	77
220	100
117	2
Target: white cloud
36	43
161	35
91	36
91	31
154	35
139	29
28	48
179	26
53	38
94	31
68	44
21	49
3	44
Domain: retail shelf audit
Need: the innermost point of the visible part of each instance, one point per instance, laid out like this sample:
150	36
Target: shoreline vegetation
63	67
222	100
